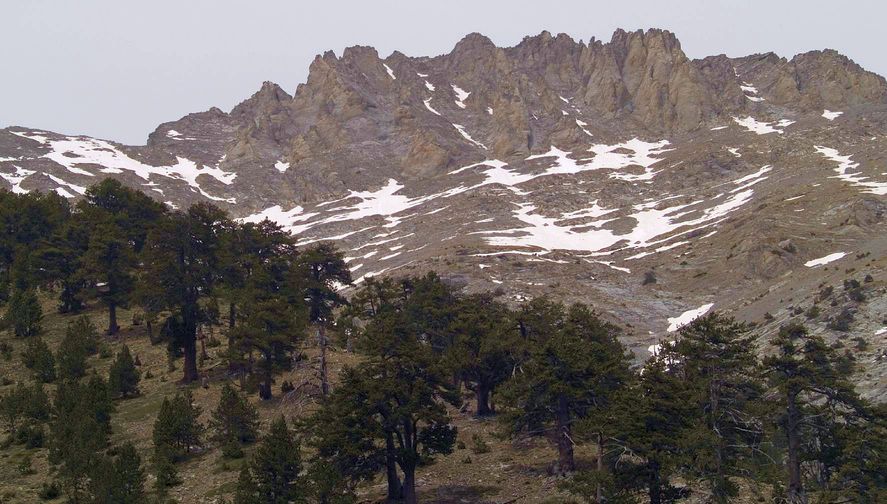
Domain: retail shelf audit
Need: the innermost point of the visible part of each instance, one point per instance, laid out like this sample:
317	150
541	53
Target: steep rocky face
578	170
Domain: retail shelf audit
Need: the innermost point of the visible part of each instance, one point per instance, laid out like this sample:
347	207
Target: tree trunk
232	315
409	485
189	348
482	393
324	379
395	489
112	319
795	489
599	491
564	437
655	484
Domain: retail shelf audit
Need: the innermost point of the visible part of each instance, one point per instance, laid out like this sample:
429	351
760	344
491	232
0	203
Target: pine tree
246	491
324	270
23	315
234	422
58	259
177	429
120	480
72	353
484	333
38	358
123	377
822	418
107	269
569	364
79	431
715	357
180	266
276	466
129	477
400	389
658	413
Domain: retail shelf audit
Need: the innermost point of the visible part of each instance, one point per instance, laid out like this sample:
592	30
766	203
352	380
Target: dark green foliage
120	480
823	421
569	366
49	491
79	342
322	269
266	286
23	315
24	405
659	412
38	358
25	221
273	474
180	266
79	431
177	430
123	377
715	359
246	491
234	422
484	334
391	407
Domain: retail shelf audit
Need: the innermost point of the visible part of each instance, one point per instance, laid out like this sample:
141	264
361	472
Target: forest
714	416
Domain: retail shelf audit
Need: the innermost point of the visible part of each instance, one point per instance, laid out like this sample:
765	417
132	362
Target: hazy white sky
115	69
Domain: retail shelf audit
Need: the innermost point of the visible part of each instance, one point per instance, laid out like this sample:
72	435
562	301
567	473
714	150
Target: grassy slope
508	471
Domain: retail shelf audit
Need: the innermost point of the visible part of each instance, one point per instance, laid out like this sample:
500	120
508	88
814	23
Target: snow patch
831	116
825	260
856	179
16	179
281	166
429	107
467	136
760	127
390	71
675	323
461	95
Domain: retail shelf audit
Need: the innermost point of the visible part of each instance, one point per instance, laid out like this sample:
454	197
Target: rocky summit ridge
621	173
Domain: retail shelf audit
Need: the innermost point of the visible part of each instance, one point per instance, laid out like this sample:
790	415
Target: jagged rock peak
473	40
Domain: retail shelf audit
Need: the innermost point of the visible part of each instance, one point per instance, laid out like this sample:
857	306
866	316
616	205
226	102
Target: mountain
620	173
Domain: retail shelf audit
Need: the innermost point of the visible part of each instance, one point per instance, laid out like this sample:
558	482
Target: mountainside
620	173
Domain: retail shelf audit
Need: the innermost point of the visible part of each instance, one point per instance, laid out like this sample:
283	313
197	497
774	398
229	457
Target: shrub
49	491
478	445
24	314
38	358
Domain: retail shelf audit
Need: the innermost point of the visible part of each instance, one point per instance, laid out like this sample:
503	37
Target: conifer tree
79	432
234	422
569	364
658	414
58	259
38	358
824	422
24	315
107	269
276	465
324	269
79	342
484	334
715	356
246	491
123	377
177	429
400	389
180	261
129	477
